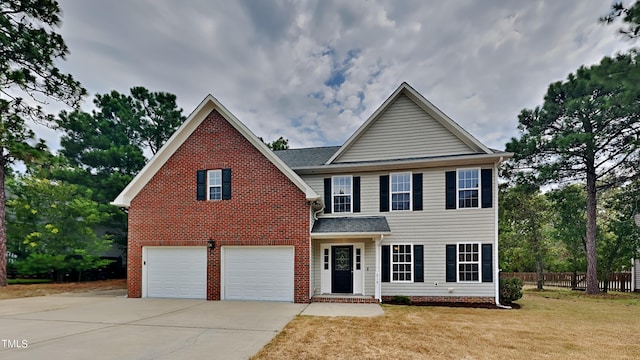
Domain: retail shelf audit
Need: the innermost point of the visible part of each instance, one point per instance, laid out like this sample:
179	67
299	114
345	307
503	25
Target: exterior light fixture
211	244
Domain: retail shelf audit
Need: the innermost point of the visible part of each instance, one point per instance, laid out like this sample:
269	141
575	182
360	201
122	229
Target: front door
342	269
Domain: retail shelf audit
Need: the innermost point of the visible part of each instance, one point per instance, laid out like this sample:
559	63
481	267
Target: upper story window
342	192
400	191
215	184
468	188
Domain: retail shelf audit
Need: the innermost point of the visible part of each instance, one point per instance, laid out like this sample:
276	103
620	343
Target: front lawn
553	324
14	291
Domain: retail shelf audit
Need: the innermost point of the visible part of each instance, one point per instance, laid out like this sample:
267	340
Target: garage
257	273
174	272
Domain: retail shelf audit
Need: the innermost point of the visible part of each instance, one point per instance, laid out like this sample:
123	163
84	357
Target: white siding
370	268
434	227
404	130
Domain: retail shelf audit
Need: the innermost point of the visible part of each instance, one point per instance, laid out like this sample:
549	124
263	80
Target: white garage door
175	272
258	273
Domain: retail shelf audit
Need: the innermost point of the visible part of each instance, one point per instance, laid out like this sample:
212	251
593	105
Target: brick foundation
344	299
265	208
446	299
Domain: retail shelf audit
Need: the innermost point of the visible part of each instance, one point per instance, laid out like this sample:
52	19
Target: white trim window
342	190
468	188
214	186
401	263
400	191
469	262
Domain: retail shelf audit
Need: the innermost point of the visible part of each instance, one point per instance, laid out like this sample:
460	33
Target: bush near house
510	290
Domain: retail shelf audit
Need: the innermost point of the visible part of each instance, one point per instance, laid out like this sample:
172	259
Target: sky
313	71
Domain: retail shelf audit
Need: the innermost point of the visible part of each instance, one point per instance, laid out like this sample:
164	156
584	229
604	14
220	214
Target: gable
403	131
407	126
182	134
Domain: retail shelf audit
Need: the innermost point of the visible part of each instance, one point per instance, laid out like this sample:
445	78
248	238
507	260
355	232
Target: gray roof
369	224
317	156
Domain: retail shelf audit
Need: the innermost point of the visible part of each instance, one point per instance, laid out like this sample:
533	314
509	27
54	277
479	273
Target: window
341	186
215	184
326	259
468	188
401	191
358	258
401	263
468	262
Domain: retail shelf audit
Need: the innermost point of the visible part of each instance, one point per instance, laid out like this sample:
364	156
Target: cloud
313	71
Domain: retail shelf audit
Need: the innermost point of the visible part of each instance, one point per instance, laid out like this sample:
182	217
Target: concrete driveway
108	327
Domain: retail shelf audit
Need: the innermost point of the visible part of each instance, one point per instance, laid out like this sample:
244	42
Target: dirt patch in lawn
552	324
29	290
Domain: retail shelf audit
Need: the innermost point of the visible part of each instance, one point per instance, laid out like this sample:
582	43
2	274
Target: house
406	206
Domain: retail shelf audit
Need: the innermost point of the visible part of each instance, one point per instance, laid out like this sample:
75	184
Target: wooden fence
617	281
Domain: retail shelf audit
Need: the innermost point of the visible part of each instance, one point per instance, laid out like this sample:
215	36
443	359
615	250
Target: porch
346	255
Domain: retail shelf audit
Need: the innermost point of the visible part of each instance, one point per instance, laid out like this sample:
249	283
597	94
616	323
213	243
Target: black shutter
327	195
486	179
384	193
226	184
201	185
450	202
451	263
386	263
417	192
487	263
418	263
356	194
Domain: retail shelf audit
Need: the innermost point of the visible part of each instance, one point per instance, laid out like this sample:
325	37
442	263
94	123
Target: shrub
28	281
510	290
401	300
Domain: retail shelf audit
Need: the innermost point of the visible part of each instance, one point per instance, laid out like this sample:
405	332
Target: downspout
496	265
316	206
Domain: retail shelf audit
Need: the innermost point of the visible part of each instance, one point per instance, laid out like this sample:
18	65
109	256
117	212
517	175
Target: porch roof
351	226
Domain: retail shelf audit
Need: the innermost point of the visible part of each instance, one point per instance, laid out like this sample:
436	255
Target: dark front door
342	269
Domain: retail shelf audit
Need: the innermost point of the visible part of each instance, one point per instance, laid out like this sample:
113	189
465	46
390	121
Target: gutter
467	159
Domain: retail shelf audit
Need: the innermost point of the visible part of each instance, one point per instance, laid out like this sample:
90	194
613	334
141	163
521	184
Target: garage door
175	272
258	273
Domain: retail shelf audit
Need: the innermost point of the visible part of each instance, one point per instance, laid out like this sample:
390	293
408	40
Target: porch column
377	290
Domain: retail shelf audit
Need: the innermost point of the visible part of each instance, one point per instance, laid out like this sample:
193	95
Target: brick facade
265	208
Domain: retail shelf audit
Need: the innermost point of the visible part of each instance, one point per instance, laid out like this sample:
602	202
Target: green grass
28	281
